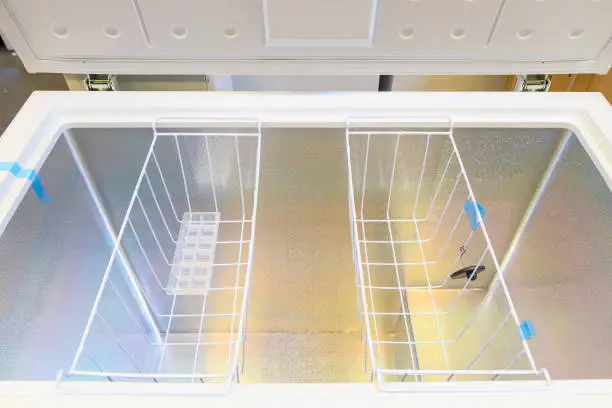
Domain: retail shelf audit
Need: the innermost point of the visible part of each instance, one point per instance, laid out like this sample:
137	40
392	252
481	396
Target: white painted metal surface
561	394
310	36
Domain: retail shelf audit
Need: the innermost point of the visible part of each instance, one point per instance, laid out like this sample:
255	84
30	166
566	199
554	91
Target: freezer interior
250	254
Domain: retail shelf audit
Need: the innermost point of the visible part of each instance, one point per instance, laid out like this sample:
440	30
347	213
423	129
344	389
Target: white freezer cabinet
379	247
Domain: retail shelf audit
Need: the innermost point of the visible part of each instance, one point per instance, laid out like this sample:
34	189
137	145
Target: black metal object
385	83
469	272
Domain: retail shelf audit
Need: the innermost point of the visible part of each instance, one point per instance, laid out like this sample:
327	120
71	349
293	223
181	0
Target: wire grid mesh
186	243
415	222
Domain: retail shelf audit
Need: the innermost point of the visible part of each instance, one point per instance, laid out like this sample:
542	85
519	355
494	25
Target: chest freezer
362	249
369	247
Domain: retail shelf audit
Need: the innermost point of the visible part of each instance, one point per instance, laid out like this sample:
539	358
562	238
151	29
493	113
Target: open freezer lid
310	36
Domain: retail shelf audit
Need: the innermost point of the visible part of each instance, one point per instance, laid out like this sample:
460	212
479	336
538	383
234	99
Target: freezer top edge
563	393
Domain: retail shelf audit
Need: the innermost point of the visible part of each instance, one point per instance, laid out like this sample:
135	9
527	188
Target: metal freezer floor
303	318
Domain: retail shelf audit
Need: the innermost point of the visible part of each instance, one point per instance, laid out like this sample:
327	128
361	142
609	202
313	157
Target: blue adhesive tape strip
470	208
527	330
12	168
16	170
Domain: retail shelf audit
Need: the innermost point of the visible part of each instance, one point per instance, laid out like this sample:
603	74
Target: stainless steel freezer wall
561	273
52	257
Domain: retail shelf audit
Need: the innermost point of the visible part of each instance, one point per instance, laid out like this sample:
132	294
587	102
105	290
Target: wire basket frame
187	241
433	303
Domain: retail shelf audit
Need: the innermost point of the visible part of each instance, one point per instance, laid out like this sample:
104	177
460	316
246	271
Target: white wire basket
173	300
433	302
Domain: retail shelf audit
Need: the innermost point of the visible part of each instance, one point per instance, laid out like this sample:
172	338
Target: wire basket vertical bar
396	267
249	271
357	249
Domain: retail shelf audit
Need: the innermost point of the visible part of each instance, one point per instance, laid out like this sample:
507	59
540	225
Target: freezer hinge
532	83
100	82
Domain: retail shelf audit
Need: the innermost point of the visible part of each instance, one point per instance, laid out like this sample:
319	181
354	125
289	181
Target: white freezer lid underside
310	36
